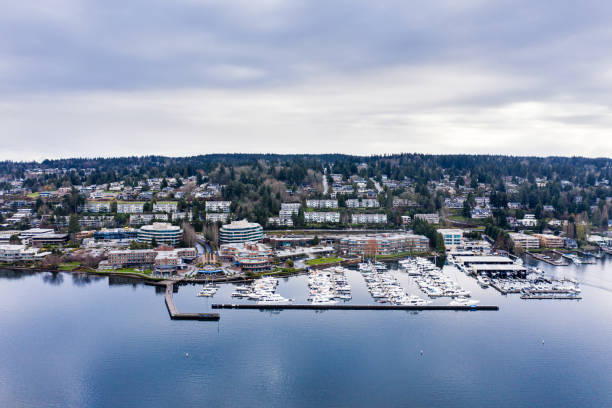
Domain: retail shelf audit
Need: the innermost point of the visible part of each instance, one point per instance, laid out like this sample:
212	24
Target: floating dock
174	313
350	307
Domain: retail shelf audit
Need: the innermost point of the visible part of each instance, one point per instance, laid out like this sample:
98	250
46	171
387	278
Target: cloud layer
195	76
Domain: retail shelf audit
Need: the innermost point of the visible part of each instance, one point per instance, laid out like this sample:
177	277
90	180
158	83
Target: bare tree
189	235
51	261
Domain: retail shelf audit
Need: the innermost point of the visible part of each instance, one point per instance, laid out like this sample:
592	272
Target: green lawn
33	195
68	266
321	261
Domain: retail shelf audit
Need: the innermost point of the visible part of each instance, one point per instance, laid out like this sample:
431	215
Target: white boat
463	301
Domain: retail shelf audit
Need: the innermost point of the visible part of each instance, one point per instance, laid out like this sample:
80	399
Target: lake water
74	341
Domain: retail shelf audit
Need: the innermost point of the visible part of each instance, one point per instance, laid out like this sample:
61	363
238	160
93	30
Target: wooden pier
350	307
174	313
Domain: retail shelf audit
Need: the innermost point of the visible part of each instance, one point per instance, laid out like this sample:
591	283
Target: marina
353	307
261	336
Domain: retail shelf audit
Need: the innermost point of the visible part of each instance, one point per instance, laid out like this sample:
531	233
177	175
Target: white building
15	253
215	217
322	203
368	218
141	219
241	231
165	206
321	216
525	241
280	222
528	221
453	237
294	208
218	206
363	203
162	232
94	206
130	207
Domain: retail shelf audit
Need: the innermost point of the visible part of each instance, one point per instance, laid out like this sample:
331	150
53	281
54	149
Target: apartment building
549	240
216	217
322	203
525	241
165	206
218	206
363	203
321	216
130	207
368	218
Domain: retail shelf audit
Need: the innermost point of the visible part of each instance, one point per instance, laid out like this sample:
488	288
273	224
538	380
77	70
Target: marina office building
452	237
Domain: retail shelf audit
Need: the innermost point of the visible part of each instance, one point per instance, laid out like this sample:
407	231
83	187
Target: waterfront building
549	240
250	257
525	241
452	237
368	218
382	244
241	231
321	216
165	206
130	207
218	206
164	233
163	261
17	253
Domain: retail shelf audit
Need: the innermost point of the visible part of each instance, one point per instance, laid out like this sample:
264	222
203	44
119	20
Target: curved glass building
241	231
163	232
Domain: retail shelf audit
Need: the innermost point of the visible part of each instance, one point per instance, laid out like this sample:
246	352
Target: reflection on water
53	278
99	343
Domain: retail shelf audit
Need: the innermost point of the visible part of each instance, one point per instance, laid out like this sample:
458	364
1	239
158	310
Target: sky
184	77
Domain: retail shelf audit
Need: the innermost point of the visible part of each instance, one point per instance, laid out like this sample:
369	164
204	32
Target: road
377	186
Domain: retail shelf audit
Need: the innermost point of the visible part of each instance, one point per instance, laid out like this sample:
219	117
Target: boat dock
547	259
174	313
351	307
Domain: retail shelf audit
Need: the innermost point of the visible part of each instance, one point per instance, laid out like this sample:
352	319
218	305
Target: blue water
69	341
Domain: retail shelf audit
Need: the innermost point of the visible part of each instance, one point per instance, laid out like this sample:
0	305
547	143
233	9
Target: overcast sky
184	77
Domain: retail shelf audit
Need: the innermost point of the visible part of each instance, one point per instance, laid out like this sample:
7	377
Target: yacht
463	301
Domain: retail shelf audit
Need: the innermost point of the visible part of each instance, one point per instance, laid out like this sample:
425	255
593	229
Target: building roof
485	259
241	224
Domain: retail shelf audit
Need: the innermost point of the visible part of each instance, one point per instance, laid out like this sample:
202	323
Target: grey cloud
386	73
